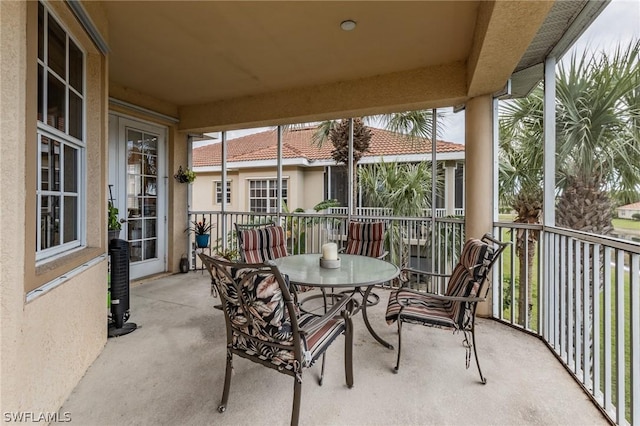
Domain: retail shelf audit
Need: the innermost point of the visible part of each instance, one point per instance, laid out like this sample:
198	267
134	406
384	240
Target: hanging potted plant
114	224
201	230
185	176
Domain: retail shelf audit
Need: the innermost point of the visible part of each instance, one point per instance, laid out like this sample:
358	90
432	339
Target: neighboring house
309	173
627	212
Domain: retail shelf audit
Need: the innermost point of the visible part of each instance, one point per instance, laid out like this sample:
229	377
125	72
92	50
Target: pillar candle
330	251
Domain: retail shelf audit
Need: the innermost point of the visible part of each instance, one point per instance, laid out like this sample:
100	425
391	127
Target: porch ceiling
225	65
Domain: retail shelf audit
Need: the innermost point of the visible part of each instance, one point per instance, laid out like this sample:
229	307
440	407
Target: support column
479	166
479	197
450	187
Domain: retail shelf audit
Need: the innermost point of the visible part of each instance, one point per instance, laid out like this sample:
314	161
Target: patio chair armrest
319	322
421	272
383	255
442	296
408	271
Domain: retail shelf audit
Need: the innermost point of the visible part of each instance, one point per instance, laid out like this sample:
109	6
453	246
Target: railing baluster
608	360
586	335
577	330
634	286
595	324
620	343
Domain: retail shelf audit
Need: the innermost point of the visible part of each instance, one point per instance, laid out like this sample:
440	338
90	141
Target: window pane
70	169
55	103
54	171
75	66
150	228
149	164
45	172
150	186
40	32
134	141
40	92
150	249
150	144
70	219
135	251
57	45
149	206
50	221
75	115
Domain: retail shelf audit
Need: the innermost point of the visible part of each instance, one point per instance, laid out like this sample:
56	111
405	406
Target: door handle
123	221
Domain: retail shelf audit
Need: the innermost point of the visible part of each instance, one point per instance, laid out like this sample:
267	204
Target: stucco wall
46	345
299	189
313	187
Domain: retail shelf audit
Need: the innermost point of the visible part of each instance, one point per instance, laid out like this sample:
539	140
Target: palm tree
405	189
414	126
597	110
520	173
597	146
339	137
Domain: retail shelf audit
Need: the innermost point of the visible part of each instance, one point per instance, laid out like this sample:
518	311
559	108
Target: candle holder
329	263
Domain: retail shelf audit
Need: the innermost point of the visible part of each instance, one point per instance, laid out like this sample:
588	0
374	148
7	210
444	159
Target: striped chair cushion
419	309
259	245
365	239
476	257
464	281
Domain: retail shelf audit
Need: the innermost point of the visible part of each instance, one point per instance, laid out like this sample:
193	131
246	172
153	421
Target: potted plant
114	224
201	230
185	176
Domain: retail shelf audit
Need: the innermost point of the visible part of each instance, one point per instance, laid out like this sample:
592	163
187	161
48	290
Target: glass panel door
141	194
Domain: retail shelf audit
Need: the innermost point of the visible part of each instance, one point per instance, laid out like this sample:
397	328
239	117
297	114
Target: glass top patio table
354	272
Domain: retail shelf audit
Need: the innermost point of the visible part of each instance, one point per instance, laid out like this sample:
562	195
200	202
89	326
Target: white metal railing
582	297
408	239
382	211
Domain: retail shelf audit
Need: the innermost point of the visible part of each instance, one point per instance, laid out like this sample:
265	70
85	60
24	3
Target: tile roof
632	206
297	143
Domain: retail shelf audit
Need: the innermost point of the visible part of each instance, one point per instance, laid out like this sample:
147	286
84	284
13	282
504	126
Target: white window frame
270	182
217	191
65	139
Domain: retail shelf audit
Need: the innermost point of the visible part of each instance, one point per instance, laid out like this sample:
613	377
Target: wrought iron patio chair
417	303
265	326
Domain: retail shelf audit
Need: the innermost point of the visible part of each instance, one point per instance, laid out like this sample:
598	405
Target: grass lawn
633	225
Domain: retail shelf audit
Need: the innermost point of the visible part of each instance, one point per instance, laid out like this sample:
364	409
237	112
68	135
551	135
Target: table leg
366	320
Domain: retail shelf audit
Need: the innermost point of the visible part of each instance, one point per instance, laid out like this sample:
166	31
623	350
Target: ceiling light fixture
348	25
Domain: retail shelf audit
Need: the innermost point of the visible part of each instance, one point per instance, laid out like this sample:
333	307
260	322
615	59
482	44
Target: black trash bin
119	288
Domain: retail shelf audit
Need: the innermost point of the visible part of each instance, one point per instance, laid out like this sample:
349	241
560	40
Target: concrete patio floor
170	372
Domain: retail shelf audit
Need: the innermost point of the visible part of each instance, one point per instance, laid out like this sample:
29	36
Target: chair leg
227	382
475	352
348	349
324	356
397	367
297	396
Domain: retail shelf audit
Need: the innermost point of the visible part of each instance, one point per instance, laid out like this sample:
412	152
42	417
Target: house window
219	192
263	195
60	139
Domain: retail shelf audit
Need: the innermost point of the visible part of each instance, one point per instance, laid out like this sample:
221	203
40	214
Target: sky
619	23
